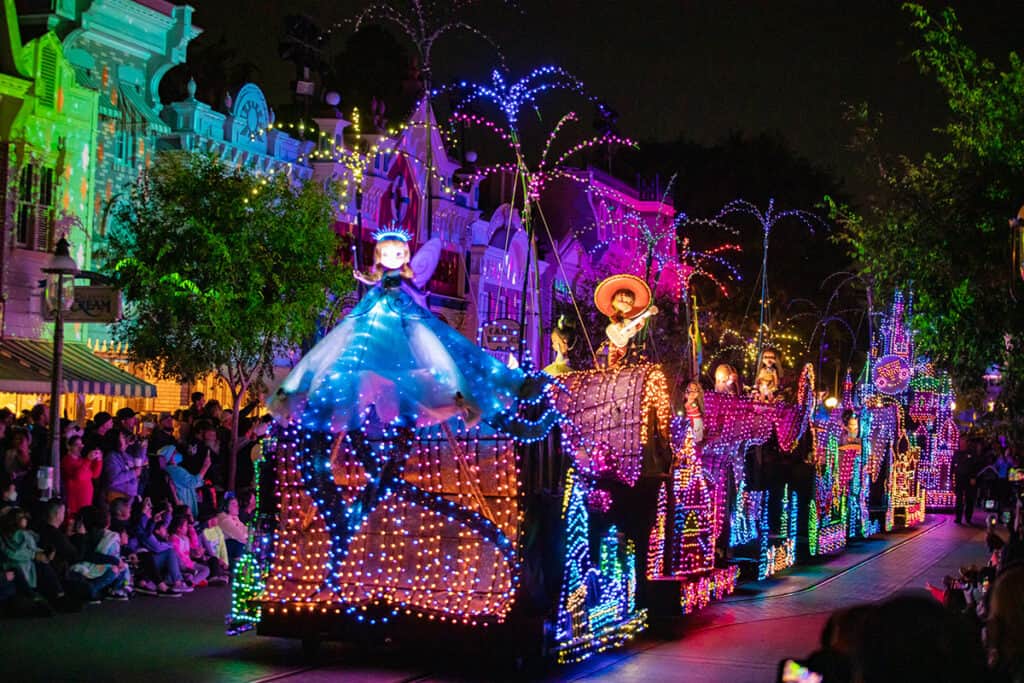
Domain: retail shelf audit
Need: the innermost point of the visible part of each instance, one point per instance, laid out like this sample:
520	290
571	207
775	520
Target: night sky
694	69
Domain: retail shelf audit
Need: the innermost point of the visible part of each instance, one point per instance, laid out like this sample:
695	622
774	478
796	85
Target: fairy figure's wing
424	261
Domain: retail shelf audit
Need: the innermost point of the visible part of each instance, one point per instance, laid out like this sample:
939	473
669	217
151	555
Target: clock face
253	118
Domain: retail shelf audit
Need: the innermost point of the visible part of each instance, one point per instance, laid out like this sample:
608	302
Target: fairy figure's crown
392	233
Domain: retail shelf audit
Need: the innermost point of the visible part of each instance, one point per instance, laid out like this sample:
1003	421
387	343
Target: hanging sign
500	335
93	304
891	374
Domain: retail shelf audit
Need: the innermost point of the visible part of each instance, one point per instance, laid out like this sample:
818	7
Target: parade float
908	425
843	440
418	487
747	521
421	486
931	408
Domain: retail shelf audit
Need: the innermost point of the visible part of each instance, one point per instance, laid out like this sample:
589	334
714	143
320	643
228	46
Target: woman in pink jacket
78	473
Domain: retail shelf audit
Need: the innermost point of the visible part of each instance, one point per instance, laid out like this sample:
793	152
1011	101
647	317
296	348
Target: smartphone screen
792	671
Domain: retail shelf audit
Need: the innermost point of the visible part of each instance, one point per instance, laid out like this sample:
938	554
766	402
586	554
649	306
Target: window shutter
45	209
46	85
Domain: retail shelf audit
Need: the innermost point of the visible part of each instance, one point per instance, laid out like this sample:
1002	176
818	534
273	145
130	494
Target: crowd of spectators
971	628
146	505
982	473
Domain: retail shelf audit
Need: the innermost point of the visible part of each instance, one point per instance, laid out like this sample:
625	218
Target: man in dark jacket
51	538
965	469
162	436
40	432
97	430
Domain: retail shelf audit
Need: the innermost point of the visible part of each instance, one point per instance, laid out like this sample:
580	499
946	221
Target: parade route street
738	640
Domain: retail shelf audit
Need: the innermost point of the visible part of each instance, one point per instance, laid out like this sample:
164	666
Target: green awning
20	379
84	372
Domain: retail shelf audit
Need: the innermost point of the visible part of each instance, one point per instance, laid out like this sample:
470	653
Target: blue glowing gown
391	356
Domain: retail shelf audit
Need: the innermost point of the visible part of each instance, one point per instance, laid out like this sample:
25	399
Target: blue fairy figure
392	362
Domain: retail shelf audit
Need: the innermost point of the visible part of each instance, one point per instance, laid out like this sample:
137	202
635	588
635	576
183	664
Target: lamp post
59	293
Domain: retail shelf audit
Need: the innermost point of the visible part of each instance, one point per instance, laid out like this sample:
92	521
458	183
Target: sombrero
607	288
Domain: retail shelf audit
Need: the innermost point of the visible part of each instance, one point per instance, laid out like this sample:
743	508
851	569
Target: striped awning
17	378
84	372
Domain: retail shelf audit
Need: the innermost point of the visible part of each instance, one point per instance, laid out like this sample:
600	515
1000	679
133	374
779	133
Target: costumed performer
626	300
391	361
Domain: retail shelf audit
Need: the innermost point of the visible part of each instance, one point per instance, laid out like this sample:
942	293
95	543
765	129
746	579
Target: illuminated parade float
420	484
908	422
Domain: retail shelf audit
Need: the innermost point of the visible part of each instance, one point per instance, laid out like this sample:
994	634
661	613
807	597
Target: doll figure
769	376
560	344
694	407
765	386
727	380
391	361
851	429
626	300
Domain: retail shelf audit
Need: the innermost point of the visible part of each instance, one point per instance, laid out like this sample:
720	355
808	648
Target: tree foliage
939	224
223	269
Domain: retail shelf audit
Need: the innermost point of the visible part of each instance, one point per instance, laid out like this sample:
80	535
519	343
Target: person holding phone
159	560
121	470
79	470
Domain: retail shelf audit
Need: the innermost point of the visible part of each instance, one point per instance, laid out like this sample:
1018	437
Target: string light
597	604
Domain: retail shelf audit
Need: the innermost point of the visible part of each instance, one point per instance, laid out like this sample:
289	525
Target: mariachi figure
626	300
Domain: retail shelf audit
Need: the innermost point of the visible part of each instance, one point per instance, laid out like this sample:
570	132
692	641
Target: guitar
620	336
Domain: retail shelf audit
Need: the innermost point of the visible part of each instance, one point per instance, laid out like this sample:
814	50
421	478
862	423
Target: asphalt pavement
738	640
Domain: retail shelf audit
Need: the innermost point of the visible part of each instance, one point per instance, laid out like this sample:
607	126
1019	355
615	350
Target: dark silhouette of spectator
212	412
40	430
18	464
1005	632
965	469
914	639
250	433
841	636
125	420
162	436
97	429
195	410
52	537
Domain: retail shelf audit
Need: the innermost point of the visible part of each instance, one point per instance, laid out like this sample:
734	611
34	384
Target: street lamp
60	295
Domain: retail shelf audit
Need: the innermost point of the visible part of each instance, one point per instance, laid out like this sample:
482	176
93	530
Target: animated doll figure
851	429
560	344
626	300
391	361
769	376
727	380
694	408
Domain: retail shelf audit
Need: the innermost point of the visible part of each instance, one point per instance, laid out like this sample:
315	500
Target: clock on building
251	113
